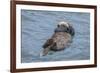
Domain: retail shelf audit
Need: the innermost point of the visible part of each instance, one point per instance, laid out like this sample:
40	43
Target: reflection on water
38	26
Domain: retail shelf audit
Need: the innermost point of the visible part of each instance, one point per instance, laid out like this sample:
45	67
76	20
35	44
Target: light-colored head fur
63	23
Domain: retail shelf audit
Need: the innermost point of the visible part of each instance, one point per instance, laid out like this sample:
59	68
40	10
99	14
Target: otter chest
61	39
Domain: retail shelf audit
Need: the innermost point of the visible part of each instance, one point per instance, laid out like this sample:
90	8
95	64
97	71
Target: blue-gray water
38	26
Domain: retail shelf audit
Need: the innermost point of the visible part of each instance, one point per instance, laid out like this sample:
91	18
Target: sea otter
61	38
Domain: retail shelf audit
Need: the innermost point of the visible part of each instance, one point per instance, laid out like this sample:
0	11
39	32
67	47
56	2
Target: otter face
63	24
65	27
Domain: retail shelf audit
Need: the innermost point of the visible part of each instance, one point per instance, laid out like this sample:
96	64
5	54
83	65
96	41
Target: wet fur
61	39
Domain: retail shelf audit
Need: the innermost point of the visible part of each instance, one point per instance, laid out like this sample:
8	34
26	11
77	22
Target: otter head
65	27
63	24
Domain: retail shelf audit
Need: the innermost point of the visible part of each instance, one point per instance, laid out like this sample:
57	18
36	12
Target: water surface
37	26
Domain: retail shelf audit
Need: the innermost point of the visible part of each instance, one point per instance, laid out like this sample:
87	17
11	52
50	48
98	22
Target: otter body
61	38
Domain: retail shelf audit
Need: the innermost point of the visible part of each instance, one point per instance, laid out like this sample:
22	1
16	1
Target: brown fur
58	42
61	38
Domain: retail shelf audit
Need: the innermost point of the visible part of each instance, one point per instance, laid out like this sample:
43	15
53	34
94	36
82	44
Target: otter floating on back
61	38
